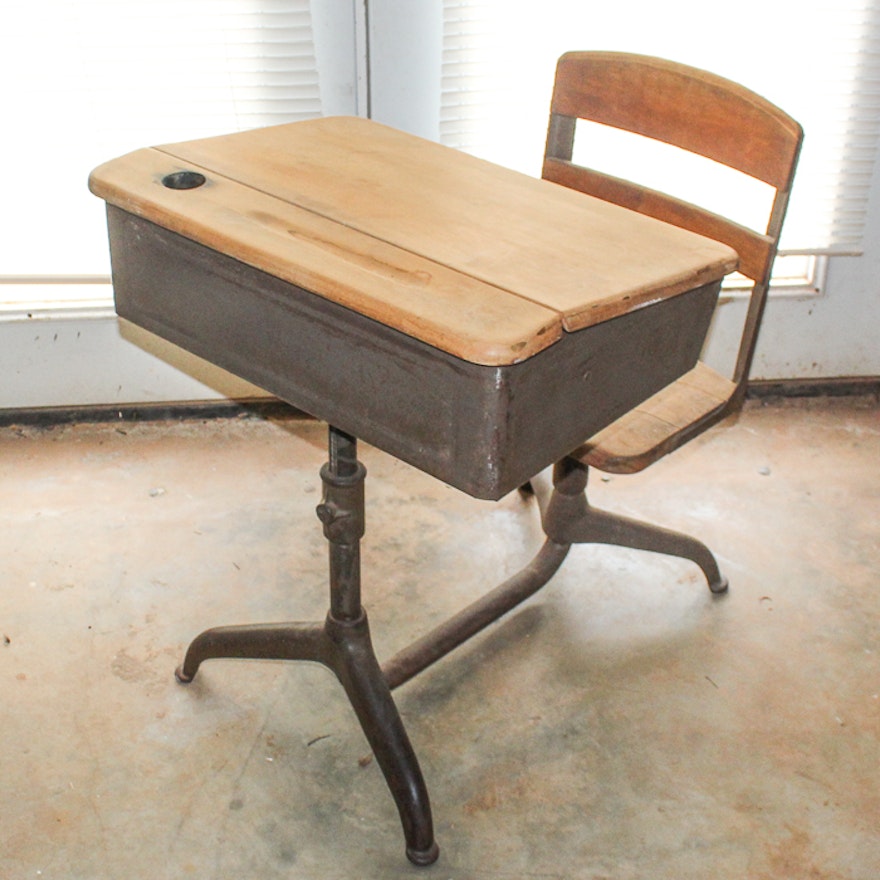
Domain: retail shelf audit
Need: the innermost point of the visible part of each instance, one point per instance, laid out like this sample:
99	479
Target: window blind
91	80
819	61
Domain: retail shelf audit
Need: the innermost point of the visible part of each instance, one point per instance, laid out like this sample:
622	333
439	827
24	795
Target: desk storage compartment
485	430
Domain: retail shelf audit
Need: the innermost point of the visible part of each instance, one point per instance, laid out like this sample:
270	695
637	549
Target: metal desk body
471	321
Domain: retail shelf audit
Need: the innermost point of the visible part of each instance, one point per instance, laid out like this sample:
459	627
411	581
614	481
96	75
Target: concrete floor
621	724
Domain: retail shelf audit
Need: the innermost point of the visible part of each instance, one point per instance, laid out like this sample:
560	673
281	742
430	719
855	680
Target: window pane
816	60
97	78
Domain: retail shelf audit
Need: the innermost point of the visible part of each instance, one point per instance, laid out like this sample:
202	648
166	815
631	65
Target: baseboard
844	386
271	407
264	407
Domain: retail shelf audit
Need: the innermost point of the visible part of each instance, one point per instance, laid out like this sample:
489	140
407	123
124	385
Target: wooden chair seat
660	424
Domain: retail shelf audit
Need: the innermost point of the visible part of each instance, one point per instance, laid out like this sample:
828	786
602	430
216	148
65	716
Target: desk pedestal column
342	643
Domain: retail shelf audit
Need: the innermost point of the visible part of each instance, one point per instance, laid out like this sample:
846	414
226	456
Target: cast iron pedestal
342	641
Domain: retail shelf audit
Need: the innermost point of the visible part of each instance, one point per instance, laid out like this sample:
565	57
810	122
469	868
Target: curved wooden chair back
706	115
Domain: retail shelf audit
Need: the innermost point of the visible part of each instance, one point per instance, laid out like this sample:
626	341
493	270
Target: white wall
835	334
97	360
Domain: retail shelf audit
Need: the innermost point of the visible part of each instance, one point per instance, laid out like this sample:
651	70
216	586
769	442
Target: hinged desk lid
479	261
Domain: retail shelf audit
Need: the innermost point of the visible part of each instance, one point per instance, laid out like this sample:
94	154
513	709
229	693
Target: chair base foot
423	857
345	647
720	586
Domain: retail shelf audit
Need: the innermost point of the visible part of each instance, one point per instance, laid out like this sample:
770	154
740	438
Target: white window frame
61	344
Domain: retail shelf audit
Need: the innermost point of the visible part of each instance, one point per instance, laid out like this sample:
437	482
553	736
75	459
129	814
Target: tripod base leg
568	517
269	641
355	664
345	647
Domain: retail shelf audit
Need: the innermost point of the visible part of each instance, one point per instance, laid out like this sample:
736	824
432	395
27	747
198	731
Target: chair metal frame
709	116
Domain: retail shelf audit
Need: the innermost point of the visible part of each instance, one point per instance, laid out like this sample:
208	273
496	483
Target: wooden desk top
481	262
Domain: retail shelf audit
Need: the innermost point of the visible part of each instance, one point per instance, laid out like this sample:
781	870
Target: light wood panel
662	99
584	258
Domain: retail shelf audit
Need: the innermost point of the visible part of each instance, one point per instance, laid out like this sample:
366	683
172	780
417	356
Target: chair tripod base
569	518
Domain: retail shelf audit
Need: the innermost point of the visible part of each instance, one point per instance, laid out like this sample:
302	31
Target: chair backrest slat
754	248
694	110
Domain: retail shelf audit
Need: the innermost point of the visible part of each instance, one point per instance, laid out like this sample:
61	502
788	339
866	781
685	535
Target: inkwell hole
183	180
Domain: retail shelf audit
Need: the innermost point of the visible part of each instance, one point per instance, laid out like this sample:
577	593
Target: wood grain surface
482	262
